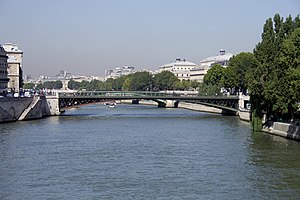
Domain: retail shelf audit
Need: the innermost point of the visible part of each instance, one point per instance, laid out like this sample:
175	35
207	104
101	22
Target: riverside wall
285	130
11	108
28	108
23	108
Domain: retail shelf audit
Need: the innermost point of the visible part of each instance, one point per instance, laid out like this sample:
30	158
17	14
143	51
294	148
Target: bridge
229	104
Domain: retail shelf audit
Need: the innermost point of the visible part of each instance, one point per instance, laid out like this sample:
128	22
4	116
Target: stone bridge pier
167	103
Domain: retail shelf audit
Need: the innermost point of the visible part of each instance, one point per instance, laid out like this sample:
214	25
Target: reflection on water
143	152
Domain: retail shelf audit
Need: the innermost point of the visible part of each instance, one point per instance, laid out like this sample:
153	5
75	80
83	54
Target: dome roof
179	62
217	58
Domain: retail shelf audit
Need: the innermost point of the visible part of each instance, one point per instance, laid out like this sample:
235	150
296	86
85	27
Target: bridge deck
229	103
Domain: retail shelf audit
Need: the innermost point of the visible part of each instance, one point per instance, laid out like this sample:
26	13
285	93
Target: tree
288	84
141	81
195	84
272	76
73	85
127	85
235	74
118	83
57	84
214	75
165	80
230	79
108	85
48	84
28	86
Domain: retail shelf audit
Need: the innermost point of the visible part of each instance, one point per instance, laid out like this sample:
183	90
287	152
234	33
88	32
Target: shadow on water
277	166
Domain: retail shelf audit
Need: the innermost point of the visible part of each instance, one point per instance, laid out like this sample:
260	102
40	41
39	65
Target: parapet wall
11	108
26	108
289	131
199	107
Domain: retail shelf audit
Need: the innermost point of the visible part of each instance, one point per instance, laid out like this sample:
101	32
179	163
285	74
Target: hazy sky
85	37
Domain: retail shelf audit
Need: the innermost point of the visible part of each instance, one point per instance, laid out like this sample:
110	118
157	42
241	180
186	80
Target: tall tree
57	84
165	80
235	75
142	81
270	85
214	75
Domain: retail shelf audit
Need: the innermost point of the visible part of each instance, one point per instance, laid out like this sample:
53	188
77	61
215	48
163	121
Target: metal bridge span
226	103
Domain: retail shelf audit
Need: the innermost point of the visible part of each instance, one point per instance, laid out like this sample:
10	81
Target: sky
87	37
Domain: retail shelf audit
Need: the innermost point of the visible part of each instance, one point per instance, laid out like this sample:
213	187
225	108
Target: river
144	152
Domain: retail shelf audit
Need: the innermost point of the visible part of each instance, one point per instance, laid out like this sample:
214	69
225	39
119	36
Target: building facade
118	72
3	71
15	67
180	68
222	58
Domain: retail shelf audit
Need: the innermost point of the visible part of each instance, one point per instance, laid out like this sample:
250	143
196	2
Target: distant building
222	58
119	71
3	71
63	74
15	68
180	68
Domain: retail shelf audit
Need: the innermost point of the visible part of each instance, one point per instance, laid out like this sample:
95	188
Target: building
118	72
15	68
222	58
3	71
180	68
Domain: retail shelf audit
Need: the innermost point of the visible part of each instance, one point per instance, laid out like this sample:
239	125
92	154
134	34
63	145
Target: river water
144	152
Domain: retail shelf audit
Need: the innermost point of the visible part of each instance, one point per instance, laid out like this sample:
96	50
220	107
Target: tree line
48	84
139	81
271	74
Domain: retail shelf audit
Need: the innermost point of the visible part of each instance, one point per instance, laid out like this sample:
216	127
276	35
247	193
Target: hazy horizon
88	37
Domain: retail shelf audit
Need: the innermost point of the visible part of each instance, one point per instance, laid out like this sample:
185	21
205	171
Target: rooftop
178	62
12	48
222	56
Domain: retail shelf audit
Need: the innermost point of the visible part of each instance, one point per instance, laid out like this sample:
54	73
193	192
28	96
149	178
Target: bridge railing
116	93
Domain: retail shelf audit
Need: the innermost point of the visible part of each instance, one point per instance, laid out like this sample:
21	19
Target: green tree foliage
57	84
183	85
275	76
127	85
48	84
209	89
165	80
28	85
235	74
141	81
212	81
118	83
214	75
109	83
73	85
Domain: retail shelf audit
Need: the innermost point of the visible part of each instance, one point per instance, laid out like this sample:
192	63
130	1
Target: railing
117	93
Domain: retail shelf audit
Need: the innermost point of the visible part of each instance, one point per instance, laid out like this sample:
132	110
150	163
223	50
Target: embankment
23	108
285	130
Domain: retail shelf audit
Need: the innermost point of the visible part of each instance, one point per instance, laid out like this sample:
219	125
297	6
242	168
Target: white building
3	71
180	67
15	68
222	58
118	72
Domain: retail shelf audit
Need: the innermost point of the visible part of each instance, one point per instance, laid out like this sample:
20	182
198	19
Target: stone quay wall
285	130
11	108
24	108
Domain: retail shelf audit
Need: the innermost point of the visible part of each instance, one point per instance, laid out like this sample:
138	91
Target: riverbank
285	130
23	108
243	114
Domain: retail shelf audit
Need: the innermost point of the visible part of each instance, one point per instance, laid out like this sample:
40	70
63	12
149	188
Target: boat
110	104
